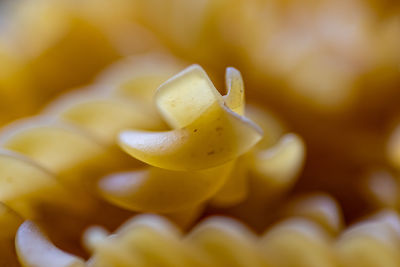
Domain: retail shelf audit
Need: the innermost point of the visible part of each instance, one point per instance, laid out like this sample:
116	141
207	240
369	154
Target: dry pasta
150	240
127	140
89	150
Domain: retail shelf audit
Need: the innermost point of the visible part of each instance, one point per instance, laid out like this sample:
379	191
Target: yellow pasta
16	171
202	120
40	140
135	190
321	208
34	249
149	240
122	142
369	244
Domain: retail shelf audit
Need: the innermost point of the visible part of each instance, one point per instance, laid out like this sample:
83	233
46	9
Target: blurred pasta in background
199	133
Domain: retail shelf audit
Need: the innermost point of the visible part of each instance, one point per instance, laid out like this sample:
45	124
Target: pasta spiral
141	149
306	237
84	125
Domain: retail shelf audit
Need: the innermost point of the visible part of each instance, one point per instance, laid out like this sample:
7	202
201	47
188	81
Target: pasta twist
153	137
310	235
84	126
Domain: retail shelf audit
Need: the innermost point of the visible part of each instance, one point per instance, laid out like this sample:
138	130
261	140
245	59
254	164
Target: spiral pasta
75	124
199	175
299	240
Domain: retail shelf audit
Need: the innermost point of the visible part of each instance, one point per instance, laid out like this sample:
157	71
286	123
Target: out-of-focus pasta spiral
307	235
308	54
39	59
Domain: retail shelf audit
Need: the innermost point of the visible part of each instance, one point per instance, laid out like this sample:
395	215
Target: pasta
38	139
84	152
127	140
150	240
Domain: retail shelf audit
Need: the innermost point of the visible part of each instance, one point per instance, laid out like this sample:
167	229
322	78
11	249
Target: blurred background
328	69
